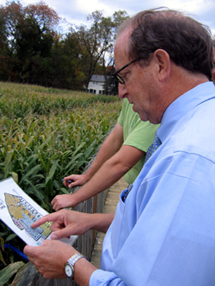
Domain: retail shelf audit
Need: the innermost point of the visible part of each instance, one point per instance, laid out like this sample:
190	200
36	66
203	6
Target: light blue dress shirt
164	232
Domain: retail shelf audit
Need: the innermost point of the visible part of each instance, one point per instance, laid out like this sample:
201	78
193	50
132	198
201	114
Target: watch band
75	258
71	262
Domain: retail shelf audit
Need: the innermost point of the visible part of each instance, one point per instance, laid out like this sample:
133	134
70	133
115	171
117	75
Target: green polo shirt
137	133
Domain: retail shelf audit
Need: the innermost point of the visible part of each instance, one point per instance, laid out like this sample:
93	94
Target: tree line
33	51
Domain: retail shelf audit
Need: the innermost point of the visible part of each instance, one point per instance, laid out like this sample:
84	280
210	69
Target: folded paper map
18	211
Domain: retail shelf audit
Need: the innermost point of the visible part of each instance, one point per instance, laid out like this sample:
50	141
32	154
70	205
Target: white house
96	84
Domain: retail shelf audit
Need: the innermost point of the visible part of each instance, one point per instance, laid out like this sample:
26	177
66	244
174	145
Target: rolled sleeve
102	278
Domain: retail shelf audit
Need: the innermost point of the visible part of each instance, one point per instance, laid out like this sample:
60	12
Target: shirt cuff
102	278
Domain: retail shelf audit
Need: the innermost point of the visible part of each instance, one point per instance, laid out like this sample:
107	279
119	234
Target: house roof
99	78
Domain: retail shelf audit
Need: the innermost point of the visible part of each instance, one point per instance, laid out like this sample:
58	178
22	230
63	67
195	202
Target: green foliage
19	101
9	271
32	51
2	247
46	134
8	256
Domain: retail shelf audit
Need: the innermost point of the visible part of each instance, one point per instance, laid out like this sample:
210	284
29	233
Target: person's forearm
110	172
109	147
103	155
101	222
107	175
83	270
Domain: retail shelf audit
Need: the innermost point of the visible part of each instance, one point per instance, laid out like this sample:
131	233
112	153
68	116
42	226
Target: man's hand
63	201
66	223
50	257
78	180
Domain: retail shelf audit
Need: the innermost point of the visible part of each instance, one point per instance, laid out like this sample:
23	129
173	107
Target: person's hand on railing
63	201
75	180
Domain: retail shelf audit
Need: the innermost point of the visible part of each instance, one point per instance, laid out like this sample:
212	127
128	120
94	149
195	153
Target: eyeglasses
116	74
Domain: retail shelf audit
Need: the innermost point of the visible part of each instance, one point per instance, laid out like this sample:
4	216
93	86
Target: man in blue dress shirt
163	231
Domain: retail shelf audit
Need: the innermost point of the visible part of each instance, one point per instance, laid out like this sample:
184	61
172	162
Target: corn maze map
18	211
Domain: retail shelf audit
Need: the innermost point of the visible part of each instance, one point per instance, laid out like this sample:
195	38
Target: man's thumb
59	234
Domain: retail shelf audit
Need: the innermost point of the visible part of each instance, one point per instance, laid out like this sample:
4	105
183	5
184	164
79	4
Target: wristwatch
69	267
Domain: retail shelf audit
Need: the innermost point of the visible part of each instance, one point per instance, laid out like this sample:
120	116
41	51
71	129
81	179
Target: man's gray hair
188	42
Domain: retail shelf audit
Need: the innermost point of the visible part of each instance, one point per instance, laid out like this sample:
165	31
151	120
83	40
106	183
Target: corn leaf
7	272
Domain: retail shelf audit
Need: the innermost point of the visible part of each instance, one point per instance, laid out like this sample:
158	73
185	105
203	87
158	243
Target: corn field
46	134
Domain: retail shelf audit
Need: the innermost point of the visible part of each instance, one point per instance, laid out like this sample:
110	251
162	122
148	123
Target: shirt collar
182	105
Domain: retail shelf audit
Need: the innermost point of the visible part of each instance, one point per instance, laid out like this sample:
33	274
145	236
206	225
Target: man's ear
163	62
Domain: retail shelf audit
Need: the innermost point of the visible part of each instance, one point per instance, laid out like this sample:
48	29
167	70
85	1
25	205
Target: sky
76	11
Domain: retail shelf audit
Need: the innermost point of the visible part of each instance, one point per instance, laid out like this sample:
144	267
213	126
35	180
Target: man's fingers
61	234
28	250
53	201
49	217
56	207
41	221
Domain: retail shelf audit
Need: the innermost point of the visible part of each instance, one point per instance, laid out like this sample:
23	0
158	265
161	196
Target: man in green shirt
136	133
121	154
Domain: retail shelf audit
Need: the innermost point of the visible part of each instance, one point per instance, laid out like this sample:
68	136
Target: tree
97	40
30	32
31	50
66	64
94	41
46	17
34	38
111	85
31	43
5	59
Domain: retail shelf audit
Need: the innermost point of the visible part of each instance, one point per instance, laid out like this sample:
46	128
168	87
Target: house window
95	82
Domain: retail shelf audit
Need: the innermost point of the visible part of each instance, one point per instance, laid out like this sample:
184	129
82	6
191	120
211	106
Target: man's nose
122	90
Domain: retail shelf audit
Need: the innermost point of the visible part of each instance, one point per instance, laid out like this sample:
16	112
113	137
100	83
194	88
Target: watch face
68	270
